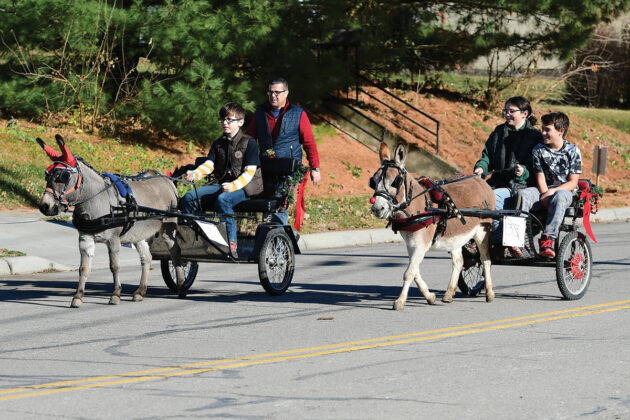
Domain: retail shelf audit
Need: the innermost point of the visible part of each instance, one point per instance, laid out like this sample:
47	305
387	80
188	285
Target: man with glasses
282	130
234	161
507	156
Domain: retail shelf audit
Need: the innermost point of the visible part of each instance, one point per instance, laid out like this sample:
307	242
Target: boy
234	160
557	167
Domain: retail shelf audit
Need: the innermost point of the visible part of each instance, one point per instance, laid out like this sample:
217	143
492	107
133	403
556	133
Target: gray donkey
70	181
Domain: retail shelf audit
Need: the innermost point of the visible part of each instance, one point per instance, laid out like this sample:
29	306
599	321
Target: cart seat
255	205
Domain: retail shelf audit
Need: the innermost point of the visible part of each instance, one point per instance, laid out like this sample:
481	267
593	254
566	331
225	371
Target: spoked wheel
170	278
276	262
573	265
471	279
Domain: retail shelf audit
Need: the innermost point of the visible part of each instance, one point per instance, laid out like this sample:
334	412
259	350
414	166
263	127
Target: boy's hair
279	80
559	120
232	108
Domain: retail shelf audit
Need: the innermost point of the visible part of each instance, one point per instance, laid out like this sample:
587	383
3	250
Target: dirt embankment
463	132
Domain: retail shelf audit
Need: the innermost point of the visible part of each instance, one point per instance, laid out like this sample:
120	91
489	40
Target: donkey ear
60	140
383	152
66	155
400	154
52	153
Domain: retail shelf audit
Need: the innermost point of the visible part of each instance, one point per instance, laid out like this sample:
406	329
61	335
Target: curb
340	239
29	265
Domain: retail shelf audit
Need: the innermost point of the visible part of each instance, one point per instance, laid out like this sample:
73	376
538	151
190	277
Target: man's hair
232	108
559	120
279	80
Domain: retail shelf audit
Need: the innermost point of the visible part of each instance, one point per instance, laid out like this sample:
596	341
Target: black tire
471	279
276	262
168	274
574	263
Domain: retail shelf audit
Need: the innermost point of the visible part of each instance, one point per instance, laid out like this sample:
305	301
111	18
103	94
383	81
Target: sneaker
233	252
546	246
515	252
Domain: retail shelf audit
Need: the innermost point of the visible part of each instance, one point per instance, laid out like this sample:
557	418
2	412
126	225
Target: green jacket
504	149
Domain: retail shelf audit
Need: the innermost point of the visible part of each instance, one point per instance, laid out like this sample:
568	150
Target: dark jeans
224	202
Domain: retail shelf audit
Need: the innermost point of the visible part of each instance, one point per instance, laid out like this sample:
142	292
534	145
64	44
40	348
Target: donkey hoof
181	294
447	298
76	303
398	306
114	300
431	299
137	297
489	296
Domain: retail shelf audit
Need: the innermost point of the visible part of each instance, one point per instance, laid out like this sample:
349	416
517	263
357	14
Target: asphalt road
331	347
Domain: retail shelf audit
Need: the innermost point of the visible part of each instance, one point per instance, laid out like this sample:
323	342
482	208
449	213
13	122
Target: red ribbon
587	212
300	206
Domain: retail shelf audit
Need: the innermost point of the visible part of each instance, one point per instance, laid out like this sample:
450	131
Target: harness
126	214
433	193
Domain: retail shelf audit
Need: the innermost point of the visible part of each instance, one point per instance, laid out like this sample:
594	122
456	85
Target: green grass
473	86
10	253
331	213
22	161
617	118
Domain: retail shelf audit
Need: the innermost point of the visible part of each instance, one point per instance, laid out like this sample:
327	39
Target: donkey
70	181
426	215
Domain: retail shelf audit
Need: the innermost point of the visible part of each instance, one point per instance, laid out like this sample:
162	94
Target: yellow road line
214	365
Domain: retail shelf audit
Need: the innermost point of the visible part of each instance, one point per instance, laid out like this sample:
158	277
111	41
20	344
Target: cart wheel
170	278
471	279
573	265
276	262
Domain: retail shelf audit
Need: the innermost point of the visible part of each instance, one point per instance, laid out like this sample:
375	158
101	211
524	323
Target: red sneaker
515	252
546	246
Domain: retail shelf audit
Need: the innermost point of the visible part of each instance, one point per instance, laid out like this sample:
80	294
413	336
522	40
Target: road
331	347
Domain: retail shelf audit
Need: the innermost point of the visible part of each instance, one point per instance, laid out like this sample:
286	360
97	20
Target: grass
10	253
473	86
344	213
617	118
22	162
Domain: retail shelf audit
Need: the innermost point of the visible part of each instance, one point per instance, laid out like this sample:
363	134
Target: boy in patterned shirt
557	167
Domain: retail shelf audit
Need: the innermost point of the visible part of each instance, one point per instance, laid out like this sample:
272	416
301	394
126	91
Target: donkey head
63	177
389	182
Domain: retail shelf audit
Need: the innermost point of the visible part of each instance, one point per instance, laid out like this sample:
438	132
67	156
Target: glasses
229	120
275	92
510	111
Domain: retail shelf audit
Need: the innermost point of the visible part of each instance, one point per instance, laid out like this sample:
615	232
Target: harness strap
414	223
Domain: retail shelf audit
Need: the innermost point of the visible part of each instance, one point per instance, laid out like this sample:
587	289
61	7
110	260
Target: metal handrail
437	122
381	139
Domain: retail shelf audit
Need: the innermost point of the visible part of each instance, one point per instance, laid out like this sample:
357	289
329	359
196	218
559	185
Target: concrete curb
31	264
339	239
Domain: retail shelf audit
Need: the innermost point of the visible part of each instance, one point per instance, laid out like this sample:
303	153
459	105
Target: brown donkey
427	216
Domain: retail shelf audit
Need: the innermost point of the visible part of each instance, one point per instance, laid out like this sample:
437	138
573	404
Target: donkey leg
86	248
113	247
416	254
145	261
458	262
483	244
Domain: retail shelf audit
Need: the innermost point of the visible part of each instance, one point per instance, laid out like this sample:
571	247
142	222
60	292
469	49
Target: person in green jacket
507	155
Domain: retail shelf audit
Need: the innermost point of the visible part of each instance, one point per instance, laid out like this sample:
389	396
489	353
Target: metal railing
435	132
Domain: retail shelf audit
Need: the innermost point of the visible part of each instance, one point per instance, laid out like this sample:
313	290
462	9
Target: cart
261	241
573	261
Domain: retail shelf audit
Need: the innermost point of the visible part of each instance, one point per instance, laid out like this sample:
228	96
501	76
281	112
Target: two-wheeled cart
573	261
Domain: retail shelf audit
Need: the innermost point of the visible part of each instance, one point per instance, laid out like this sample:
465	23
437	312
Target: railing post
437	139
